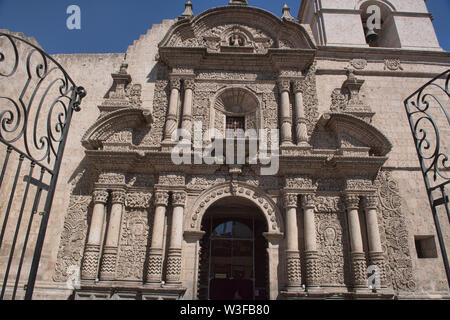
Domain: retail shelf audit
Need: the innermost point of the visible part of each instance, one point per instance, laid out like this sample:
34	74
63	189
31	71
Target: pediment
237	30
115	126
352	133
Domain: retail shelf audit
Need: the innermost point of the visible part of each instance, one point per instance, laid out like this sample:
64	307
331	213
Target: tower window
426	247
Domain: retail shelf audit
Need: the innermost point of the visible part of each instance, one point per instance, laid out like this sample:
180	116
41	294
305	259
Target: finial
238	3
188	13
123	68
287	13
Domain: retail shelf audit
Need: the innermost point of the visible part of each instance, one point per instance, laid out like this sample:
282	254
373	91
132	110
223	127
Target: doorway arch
234	260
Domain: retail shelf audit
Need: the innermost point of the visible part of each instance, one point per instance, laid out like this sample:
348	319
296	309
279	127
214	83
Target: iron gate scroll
430	125
37	102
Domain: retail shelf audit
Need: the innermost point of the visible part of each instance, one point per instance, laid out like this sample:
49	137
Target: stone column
155	261
286	120
109	259
292	252
376	254
311	254
359	269
300	121
189	85
92	251
172	119
173	275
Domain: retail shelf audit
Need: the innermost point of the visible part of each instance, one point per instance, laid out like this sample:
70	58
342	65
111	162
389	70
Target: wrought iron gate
430	125
37	101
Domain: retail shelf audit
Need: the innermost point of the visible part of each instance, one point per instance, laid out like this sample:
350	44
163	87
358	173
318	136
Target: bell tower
371	23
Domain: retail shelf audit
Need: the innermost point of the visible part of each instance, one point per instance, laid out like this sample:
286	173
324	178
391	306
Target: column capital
100	196
161	198
351	201
370	202
175	83
284	85
298	86
290	200
189	84
179	199
308	201
118	197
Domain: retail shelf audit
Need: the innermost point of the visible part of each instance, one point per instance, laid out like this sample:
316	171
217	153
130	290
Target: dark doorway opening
234	255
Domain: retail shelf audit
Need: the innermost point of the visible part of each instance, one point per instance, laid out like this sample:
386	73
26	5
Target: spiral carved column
154	268
89	271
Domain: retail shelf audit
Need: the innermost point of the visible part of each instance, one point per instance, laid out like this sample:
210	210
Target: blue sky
112	25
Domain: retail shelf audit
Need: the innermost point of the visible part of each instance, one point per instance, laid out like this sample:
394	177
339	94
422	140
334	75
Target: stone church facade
348	197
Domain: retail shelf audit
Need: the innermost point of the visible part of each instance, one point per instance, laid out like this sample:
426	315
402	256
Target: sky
110	26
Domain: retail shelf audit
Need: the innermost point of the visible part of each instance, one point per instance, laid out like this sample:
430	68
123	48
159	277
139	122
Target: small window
426	247
235	123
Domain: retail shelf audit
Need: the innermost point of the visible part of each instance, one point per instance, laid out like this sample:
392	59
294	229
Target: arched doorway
234	261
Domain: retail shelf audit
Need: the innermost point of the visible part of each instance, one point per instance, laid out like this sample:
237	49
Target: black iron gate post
34	124
433	159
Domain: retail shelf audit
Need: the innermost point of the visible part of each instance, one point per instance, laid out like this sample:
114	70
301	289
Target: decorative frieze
393	64
138	200
172	179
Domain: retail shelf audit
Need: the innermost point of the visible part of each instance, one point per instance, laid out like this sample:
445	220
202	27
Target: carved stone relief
133	244
73	237
395	234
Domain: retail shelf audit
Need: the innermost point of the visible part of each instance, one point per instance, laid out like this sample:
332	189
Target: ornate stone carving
359	270
370	202
328	204
294	270
189	84
339	100
284	85
161	198
133	243
290	200
100	196
201	183
111	178
310	100
358	64
333	247
89	270
108	265
359	184
352	201
171	179
298	86
393	64
175	83
312	269
299	182
173	274
179	199
134	95
73	237
118	197
308	201
138	200
155	263
395	234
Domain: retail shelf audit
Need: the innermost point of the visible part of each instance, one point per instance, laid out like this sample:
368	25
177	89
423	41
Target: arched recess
113	122
237	101
387	34
257	196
